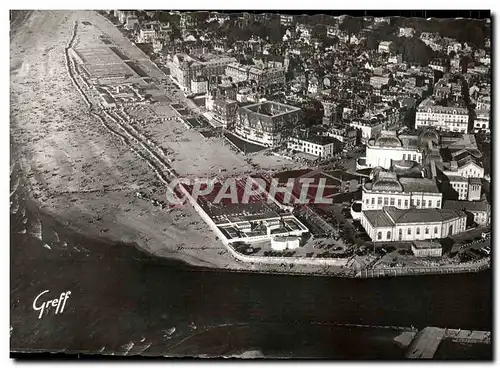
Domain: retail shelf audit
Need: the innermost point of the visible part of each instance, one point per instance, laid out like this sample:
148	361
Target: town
388	116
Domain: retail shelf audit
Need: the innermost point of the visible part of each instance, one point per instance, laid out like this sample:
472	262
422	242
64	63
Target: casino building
391	224
386	189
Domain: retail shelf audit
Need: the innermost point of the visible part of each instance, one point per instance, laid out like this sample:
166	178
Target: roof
426	245
378	218
318	139
422	185
421	215
471	206
457	178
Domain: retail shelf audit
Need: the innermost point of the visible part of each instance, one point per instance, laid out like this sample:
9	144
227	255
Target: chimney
453	165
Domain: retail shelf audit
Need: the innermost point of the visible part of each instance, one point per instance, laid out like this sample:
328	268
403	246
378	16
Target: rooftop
467	205
422	185
270	108
421	215
420	244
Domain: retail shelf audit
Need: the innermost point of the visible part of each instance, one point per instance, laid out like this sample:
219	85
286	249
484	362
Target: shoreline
127	229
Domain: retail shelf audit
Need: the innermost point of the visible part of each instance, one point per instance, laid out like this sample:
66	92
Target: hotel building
267	123
452	119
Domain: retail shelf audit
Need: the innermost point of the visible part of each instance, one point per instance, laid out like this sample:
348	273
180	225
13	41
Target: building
452	119
281	243
404	193
266	74
385	46
478	211
316	145
484	103
131	22
267	123
426	249
379	81
199	85
387	147
391	224
225	112
287	20
347	135
184	67
368	128
482	120
146	35
406	32
465	169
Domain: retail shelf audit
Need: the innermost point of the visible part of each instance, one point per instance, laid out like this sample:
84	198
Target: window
404	156
388	235
429	203
379	200
392	201
418	230
386	201
399	202
409	231
418	202
438	204
406	203
414	157
373	200
435	230
379	235
427	230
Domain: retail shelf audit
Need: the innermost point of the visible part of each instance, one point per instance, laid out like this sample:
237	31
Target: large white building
453	119
266	74
183	68
404	193
391	224
266	123
387	147
319	146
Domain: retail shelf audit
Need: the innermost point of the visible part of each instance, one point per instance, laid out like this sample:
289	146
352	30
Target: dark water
121	295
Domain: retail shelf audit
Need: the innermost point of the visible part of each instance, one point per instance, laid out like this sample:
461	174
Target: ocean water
124	301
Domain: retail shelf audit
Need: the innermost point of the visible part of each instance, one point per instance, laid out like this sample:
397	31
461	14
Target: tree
352	25
320	31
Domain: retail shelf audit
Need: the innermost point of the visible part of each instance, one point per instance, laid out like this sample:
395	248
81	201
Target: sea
126	302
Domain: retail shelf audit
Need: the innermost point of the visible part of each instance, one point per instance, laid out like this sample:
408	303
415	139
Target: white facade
199	85
146	35
469	170
385	46
368	131
381	227
383	156
453	119
482	120
280	243
427	250
316	146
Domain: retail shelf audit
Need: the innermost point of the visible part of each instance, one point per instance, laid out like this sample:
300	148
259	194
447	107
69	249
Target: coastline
135	223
